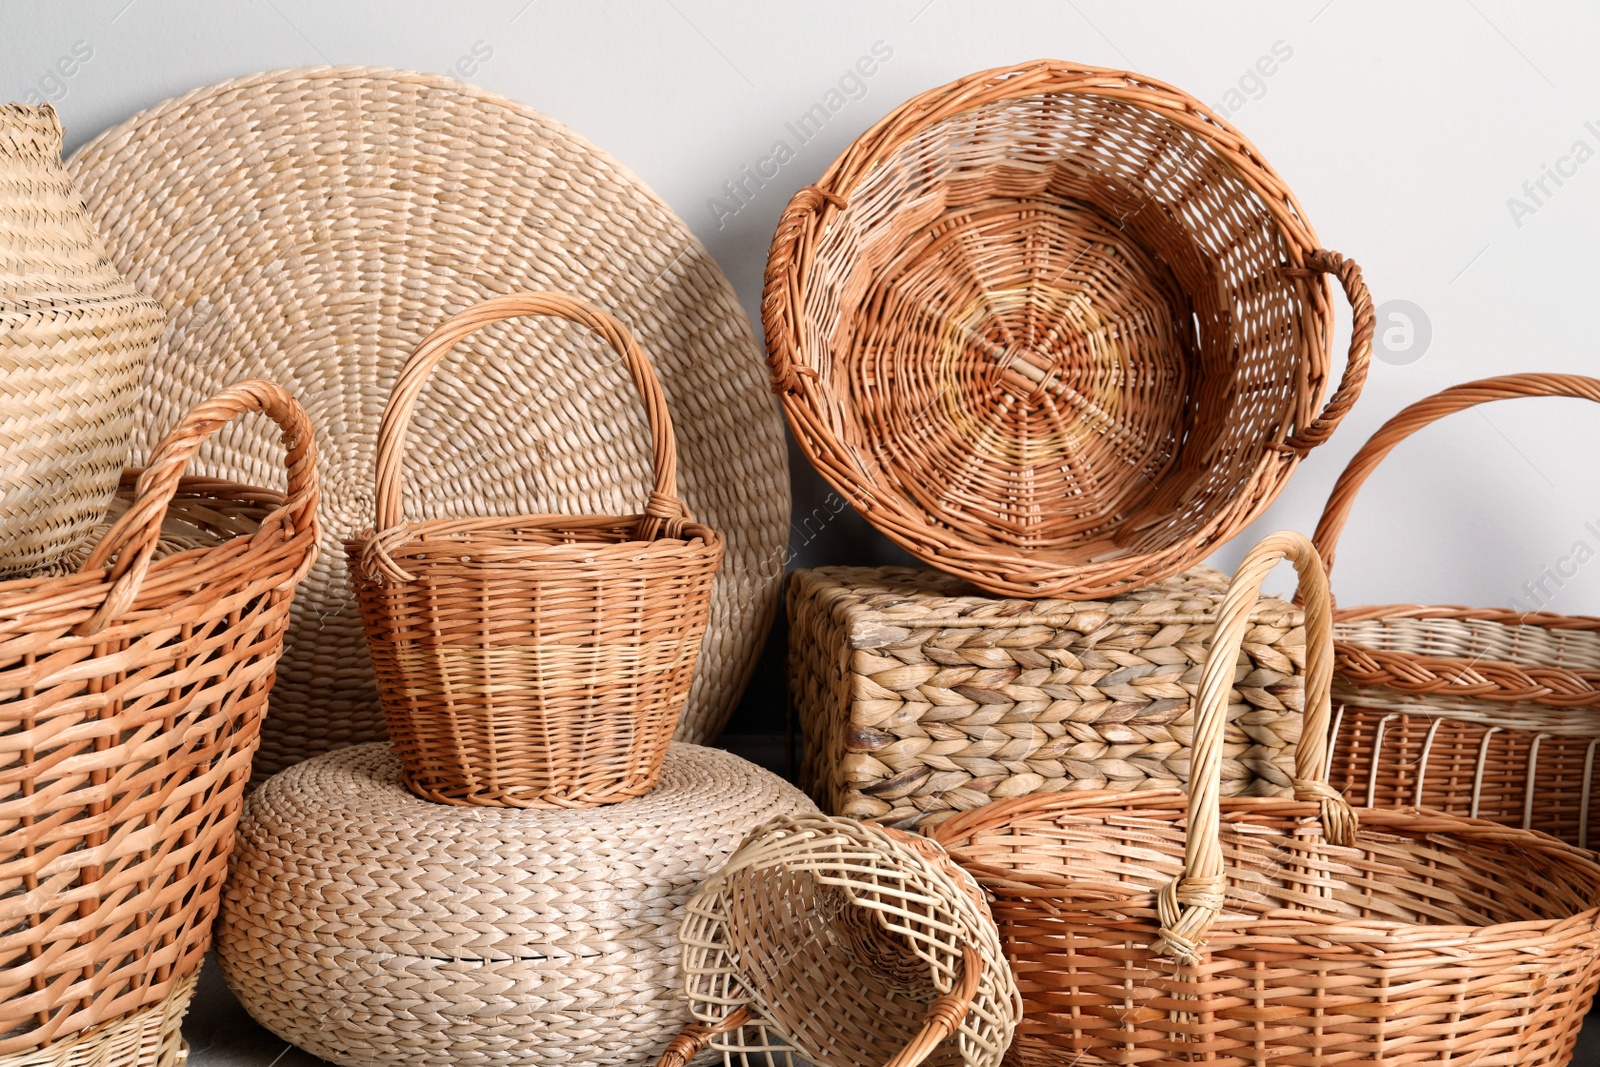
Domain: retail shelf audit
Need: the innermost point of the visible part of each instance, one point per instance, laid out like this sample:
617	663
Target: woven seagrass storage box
921	696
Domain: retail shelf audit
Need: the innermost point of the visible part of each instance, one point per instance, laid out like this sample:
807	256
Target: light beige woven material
373	928
131	698
1148	930
1057	329
149	1037
361	207
1490	713
536	660
848	944
73	338
921	697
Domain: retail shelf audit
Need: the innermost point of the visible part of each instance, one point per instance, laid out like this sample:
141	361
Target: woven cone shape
313	226
73	337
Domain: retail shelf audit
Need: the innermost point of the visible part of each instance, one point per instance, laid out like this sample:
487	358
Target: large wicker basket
131	698
846	944
73	338
533	660
1056	329
1489	713
1148	931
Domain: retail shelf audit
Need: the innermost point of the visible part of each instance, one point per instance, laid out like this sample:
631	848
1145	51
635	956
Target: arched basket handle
130	545
1190	904
1362	324
664	513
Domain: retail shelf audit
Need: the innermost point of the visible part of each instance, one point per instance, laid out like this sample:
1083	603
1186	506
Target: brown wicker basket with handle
1237	932
1056	329
131	698
1489	713
532	660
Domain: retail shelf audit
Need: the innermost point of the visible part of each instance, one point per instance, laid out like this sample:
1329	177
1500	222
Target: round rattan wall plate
311	226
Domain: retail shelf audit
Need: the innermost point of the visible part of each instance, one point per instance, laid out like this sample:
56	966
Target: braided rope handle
1423	413
665	512
130	545
1363	322
1190	904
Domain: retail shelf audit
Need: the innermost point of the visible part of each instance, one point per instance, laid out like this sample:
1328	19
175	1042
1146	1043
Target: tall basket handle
1190	904
944	1016
664	514
130	544
1424	413
1363	321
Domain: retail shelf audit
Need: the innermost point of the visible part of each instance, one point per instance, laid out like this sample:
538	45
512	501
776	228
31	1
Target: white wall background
1405	129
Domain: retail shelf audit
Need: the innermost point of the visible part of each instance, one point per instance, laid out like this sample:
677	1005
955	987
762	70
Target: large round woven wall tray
311	226
1056	329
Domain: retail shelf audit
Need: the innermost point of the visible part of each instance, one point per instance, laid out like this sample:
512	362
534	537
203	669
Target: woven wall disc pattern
371	927
311	226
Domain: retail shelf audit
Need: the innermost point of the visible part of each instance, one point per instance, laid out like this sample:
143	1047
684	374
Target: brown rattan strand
131	696
849	945
1056	329
148	1037
311	226
73	338
538	660
373	928
1147	930
1489	713
920	698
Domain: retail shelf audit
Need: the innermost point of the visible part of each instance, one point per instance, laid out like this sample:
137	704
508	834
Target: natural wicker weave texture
1059	330
538	660
1146	930
848	944
1489	713
313	226
373	928
131	696
920	698
73	337
148	1037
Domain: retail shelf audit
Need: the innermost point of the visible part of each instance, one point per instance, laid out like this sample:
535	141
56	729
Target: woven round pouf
370	927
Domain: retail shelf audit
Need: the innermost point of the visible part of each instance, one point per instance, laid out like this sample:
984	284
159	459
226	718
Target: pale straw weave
312	226
73	337
372	928
148	1037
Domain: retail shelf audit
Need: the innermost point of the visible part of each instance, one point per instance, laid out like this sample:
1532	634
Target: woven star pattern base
371	927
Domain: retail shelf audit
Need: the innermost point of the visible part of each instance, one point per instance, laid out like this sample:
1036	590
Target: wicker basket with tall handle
1056	329
1147	930
847	944
1490	713
532	660
73	338
131	699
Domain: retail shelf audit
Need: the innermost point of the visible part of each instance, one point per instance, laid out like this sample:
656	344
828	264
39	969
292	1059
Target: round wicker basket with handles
1059	330
846	944
1161	930
1484	712
73	338
533	660
131	698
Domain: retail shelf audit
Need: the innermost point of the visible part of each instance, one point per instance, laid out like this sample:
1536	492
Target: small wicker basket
1056	329
73	338
1489	713
131	699
846	944
535	660
1247	931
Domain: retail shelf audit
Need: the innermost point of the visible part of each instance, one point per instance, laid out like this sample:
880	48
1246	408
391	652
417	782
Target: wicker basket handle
1424	413
664	513
1363	321
1190	904
131	542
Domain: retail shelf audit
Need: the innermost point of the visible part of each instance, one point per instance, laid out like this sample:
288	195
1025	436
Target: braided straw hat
848	944
312	226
